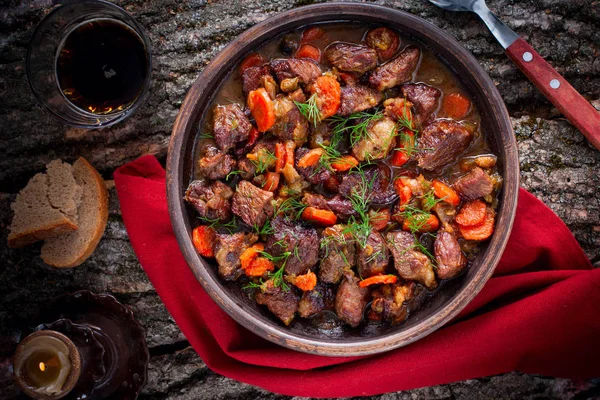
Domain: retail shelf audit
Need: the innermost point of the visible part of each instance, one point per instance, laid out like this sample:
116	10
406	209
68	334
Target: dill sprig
310	110
231	226
206	135
360	227
355	124
291	206
264	160
233	173
264	230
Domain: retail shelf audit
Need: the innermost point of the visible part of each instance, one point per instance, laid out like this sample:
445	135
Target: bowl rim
249	40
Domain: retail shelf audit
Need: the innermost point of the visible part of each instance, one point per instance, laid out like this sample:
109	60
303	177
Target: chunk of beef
374	258
441	142
289	123
475	184
446	214
424	98
280	302
341	206
351	300
378	185
212	163
305	69
252	77
449	256
231	126
338	253
322	297
357	98
378	143
398	108
396	71
409	262
351	57
314	174
211	201
228	249
389	302
247	168
301	242
320	135
253	205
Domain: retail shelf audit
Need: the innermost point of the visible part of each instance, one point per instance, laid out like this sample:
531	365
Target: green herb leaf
310	110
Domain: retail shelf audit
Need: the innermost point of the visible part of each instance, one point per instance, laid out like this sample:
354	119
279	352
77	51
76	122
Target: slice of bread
73	248
46	207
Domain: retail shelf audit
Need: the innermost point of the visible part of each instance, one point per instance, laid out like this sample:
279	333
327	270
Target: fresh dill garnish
405	120
310	110
291	206
263	230
428	200
215	223
360	227
206	135
278	280
263	160
332	153
355	124
233	173
253	285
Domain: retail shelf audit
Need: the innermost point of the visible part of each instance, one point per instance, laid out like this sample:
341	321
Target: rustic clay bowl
454	295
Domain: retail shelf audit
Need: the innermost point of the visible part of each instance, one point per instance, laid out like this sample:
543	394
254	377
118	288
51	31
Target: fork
556	89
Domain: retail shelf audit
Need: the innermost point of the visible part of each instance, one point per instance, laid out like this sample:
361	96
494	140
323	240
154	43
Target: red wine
102	66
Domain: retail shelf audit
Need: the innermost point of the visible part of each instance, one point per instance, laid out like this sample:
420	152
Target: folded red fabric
538	314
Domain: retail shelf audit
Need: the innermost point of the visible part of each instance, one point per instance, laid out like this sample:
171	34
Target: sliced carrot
311	158
471	213
252	60
344	163
250	254
290	148
445	192
203	238
271	181
318	216
481	231
312	33
253	136
309	51
421	223
280	156
306	282
401	155
456	105
380	218
404	191
377	279
262	108
259	266
329	93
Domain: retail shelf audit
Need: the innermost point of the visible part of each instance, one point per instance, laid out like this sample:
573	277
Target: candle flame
42	367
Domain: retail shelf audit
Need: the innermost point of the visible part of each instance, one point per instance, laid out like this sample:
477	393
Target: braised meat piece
446	214
357	98
379	186
374	258
410	263
305	69
253	205
211	201
228	249
338	253
301	242
280	302
212	163
396	71
441	142
449	256
231	126
314	174
378	143
351	57
252	76
351	300
342	207
289	123
322	297
424	98
389	302
475	184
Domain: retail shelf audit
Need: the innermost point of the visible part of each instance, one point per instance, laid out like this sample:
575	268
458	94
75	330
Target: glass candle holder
89	63
47	365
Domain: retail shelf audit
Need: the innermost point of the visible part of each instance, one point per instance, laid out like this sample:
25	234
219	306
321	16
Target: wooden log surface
557	164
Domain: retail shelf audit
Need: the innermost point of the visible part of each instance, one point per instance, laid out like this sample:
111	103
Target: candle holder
47	365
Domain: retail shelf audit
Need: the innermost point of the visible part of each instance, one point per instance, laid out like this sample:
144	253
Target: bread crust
31	236
100	223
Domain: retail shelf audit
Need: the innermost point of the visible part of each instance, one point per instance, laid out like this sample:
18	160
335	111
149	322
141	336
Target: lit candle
46	365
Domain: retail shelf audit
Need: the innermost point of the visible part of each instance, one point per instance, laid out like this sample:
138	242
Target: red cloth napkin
540	313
